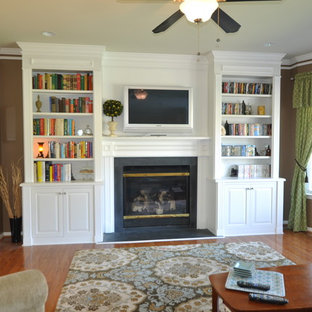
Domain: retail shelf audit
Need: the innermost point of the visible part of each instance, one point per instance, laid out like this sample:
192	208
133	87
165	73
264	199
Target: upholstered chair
24	291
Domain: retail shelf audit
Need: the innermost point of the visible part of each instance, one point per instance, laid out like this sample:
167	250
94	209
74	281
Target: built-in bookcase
64	123
244	93
62	108
246	115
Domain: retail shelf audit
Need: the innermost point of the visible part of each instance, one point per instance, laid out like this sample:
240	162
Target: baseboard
5	234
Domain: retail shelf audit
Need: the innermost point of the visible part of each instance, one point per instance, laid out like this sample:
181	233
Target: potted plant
112	108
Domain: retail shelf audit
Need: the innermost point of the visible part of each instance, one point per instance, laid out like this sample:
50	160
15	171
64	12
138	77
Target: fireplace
155	191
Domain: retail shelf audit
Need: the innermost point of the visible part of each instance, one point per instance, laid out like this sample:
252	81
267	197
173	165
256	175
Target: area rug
159	278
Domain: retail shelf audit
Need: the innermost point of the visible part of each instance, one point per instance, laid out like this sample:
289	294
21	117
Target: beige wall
11	120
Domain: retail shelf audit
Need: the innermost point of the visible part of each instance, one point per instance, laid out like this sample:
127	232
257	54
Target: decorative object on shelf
226	127
12	200
40	150
256	152
234	171
87	174
268	151
243	108
223	131
248	110
38	104
261	110
112	108
87	131
80	132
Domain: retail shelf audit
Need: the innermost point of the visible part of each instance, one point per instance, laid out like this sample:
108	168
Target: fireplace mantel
152	146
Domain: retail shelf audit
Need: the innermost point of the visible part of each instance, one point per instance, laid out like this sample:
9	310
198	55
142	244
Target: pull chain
218	32
198	51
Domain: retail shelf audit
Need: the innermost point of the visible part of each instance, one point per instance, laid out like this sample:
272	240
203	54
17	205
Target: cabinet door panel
263	203
47	216
237	206
78	212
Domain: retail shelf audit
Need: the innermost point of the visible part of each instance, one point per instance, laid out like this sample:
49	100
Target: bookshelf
245	108
62	122
246	115
62	142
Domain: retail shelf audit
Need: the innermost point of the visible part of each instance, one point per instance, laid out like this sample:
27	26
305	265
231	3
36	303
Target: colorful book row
83	149
45	171
67	105
54	81
254	171
242	109
53	126
239	150
246	88
254	129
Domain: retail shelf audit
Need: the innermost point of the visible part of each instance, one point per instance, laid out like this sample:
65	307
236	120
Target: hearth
155	191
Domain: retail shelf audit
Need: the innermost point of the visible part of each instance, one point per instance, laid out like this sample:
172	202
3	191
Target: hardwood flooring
54	260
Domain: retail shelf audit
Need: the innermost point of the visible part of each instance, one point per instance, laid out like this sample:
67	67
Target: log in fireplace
155	191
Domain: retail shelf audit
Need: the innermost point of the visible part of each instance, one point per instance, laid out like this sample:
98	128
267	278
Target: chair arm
23	291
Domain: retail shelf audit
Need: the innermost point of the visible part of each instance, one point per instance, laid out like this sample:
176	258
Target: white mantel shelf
152	146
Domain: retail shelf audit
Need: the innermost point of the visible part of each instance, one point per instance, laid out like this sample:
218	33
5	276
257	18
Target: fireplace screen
158	192
155	192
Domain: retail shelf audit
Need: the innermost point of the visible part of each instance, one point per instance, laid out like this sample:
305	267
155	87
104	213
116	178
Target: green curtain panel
302	101
302	94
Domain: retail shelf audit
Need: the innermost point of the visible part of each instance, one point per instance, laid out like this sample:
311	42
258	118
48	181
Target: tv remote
267	298
245	284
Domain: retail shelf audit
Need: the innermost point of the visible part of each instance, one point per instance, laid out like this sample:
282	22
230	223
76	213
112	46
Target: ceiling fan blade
225	21
168	22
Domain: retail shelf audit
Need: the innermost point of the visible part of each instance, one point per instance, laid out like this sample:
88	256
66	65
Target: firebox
159	191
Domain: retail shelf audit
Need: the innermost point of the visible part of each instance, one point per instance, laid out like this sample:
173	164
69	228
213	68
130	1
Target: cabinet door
249	208
47	212
263	203
235	206
78	216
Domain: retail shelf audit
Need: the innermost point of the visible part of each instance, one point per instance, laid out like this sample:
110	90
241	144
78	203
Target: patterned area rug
159	278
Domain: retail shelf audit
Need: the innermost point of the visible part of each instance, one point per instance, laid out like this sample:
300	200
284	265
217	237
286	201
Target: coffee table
298	287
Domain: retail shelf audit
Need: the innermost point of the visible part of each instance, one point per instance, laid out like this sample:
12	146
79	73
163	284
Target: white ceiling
126	25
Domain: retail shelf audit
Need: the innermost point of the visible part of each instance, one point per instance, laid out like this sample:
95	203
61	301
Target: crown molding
154	60
297	61
10	54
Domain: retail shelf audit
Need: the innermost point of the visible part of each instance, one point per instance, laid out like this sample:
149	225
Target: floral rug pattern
159	278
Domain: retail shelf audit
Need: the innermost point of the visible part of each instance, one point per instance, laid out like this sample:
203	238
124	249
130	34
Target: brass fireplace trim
155	174
177	215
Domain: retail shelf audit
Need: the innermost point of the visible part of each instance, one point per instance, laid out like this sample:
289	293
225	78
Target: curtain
302	101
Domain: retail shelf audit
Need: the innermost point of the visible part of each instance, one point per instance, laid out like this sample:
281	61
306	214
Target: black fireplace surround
154	192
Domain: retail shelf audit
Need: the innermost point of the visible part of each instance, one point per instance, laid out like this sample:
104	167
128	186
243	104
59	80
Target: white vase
112	125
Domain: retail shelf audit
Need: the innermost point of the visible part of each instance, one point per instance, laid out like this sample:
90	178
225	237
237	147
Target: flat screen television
153	110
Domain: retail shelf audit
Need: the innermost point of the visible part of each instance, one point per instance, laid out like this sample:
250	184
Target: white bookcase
61	192
244	91
245	147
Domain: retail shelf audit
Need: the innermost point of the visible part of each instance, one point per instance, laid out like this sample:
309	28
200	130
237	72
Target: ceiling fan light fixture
198	10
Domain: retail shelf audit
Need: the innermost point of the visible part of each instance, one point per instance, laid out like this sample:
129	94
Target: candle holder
40	149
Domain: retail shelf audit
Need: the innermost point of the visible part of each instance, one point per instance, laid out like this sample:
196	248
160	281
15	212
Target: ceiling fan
197	11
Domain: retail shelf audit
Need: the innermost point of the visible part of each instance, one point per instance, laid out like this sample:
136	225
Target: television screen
165	108
158	107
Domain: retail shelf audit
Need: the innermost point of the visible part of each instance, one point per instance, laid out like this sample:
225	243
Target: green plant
112	108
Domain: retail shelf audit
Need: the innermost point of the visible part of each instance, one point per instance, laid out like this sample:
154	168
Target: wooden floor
55	260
